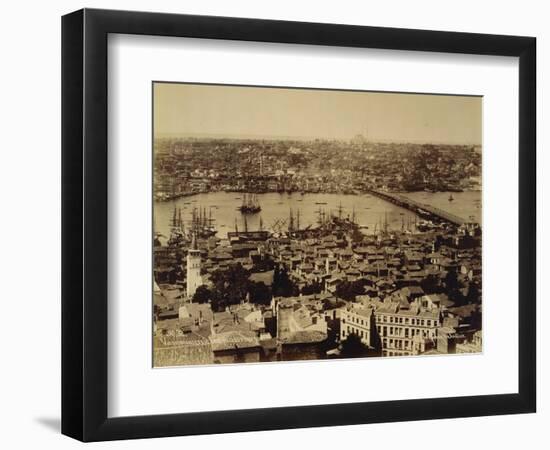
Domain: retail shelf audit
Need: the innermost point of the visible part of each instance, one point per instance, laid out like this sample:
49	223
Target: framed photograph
273	224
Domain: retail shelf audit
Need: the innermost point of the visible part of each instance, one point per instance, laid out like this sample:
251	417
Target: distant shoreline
195	137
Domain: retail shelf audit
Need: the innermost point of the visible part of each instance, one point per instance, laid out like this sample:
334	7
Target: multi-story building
356	319
405	329
395	327
472	346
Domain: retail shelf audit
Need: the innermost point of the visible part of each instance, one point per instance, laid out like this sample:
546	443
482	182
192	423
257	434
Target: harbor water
369	211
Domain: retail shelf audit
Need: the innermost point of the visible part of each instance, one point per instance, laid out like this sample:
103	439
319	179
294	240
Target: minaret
193	268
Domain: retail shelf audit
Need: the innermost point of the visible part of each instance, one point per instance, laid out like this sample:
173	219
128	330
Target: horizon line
302	138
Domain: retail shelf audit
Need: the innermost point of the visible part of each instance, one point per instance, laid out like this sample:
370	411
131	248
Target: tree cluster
231	286
283	286
353	347
348	290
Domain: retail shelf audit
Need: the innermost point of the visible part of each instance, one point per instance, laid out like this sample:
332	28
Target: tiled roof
234	340
305	337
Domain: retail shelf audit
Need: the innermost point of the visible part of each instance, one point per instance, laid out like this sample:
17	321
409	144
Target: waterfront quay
325	290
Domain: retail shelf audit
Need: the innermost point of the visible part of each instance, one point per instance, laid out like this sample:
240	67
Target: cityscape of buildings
285	291
189	166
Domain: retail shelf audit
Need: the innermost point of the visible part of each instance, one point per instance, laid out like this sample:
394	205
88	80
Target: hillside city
190	166
329	291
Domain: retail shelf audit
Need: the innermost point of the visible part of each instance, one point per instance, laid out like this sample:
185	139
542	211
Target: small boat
320	203
451	198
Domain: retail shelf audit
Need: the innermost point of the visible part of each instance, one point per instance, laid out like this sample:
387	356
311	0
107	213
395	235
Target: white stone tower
193	269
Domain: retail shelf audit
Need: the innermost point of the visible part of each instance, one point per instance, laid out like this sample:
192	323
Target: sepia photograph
294	224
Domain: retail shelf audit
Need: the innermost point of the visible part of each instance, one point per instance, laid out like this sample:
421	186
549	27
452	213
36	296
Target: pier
425	211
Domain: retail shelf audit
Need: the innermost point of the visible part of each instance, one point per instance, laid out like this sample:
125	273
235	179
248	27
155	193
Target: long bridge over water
425	211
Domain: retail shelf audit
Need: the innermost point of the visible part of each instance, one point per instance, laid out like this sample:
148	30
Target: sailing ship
177	230
250	204
200	226
202	223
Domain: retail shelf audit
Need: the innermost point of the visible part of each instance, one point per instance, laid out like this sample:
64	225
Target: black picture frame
84	224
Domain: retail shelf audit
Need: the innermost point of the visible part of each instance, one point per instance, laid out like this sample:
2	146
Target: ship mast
174	218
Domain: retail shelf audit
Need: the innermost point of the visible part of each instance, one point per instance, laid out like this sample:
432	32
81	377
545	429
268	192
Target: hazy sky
233	111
